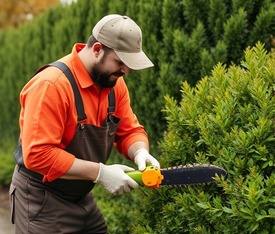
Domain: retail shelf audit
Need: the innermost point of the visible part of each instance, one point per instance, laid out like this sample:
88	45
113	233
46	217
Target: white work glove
142	157
114	179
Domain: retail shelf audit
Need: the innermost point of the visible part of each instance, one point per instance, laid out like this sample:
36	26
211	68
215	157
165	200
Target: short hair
91	41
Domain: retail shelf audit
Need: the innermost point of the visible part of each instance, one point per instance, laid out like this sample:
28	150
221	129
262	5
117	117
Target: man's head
108	68
124	37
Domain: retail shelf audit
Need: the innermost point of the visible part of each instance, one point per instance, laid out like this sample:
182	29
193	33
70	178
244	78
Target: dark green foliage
194	12
119	211
235	34
184	39
265	21
227	119
7	162
216	17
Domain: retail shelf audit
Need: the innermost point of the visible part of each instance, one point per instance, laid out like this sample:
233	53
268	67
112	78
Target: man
68	126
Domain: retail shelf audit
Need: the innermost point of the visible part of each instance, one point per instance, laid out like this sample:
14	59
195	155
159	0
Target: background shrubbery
223	115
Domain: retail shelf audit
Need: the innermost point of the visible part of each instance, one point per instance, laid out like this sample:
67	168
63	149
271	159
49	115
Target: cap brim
135	61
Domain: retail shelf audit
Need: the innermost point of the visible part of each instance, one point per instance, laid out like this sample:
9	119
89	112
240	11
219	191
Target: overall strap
112	102
78	100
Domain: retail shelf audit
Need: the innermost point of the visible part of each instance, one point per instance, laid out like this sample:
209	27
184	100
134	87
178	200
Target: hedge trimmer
153	177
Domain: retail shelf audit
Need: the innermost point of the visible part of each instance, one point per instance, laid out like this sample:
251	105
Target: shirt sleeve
129	130
42	121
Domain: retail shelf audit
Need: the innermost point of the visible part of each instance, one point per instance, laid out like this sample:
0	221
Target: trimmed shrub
227	119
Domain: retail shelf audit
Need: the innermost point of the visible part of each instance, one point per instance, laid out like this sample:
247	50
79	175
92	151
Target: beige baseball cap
124	36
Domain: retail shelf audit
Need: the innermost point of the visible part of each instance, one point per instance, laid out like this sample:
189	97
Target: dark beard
103	78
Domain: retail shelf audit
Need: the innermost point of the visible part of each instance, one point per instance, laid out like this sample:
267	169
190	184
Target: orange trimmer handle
151	177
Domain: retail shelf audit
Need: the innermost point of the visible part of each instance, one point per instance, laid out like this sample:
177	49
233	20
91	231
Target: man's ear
97	48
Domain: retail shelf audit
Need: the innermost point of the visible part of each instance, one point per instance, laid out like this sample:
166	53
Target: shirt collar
81	73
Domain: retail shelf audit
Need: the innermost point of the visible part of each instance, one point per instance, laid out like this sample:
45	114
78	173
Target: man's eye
120	63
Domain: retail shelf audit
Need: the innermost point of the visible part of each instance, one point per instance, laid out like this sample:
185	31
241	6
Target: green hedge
7	162
184	39
227	119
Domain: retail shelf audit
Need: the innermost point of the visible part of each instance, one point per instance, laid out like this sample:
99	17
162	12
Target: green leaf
272	199
259	217
271	211
203	205
227	210
246	211
253	227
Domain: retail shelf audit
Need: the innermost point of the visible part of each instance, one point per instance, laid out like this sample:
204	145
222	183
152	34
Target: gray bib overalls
64	206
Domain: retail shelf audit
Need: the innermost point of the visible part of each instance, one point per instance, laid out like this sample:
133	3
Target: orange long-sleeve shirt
48	116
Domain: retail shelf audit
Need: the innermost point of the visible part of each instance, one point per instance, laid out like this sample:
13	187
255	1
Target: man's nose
125	69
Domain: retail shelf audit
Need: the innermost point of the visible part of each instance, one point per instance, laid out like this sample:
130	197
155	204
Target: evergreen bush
227	119
7	162
184	39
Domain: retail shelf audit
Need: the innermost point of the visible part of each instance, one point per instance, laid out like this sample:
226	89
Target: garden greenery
191	114
227	119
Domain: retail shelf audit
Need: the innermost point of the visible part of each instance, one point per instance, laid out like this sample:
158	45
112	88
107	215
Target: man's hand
114	179
142	157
